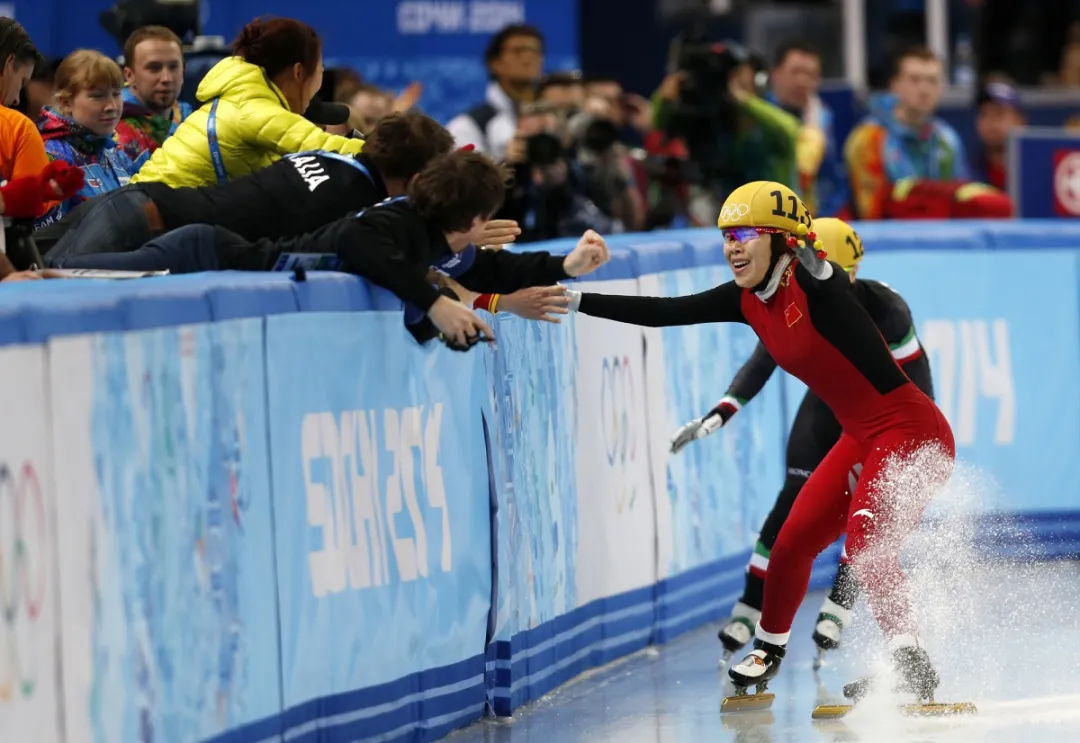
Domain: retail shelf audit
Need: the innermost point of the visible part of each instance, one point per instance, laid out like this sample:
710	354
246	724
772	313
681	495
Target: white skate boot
756	669
738	631
831	621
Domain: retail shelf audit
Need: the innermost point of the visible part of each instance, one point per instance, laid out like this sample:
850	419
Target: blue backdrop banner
1002	362
391	43
1044	173
383	538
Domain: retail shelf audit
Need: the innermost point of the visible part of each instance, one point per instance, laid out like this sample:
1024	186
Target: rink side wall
239	507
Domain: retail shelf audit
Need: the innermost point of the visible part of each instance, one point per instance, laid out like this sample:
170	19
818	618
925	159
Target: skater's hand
701	427
461	327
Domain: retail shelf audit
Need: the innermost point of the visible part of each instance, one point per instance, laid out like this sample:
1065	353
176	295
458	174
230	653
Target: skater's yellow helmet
840	242
766	205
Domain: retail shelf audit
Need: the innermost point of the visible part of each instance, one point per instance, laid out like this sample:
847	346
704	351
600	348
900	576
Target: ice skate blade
819	659
747	703
836	711
934	709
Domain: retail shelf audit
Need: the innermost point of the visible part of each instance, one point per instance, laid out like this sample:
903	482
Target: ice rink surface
1004	636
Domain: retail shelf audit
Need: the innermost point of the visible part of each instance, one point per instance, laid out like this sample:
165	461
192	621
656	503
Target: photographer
734	136
547	195
605	164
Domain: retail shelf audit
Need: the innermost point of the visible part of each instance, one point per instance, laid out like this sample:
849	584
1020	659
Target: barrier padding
511	672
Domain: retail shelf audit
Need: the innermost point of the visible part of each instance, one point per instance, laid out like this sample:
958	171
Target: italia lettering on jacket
311	170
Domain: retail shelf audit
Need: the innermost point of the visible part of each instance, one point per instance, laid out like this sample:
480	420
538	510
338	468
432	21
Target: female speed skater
804	311
814	432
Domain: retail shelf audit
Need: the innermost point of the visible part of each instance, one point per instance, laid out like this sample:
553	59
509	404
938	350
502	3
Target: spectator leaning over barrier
515	60
252	112
297	194
79	128
394	245
998	113
901	140
794	81
153	73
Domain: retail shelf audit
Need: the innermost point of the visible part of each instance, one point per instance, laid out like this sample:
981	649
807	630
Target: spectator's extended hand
537	303
458	324
591	253
499	232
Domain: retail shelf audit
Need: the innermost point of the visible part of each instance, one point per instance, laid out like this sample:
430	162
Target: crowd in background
583	152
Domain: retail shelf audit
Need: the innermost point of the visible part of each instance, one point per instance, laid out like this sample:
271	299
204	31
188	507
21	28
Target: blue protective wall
407	521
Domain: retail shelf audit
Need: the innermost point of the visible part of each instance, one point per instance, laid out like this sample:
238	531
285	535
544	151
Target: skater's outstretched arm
720	304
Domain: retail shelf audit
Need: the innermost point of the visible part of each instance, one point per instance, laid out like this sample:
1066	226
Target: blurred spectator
369	104
632	113
515	59
563	90
794	81
154	73
901	139
997	114
38	93
18	55
254	110
606	165
79	129
340	84
547	196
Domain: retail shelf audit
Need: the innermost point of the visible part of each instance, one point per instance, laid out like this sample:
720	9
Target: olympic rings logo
733	212
23	576
617	410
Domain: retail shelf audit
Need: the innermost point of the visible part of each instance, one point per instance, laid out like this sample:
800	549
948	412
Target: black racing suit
298	194
815	429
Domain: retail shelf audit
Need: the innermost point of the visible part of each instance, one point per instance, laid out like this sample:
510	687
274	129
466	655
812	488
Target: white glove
698	428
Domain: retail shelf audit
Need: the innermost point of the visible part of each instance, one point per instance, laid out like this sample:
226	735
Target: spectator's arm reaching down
375	256
285	132
503	272
870	186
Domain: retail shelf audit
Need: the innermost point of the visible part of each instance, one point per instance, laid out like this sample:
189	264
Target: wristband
487	302
727	407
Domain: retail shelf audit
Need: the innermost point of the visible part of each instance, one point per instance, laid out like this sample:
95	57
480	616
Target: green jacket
763	148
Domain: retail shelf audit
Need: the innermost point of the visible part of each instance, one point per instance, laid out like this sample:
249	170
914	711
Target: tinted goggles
746	234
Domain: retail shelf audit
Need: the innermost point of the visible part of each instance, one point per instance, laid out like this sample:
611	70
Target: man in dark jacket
298	194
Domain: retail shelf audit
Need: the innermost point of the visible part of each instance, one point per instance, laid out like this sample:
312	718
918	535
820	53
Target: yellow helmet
765	204
841	243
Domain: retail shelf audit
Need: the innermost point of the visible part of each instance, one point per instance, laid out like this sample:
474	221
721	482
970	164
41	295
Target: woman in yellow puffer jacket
252	112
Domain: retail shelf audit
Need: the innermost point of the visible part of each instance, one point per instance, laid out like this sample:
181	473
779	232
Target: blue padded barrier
993	359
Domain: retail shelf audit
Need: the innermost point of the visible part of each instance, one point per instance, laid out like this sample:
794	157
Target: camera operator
605	164
711	101
547	195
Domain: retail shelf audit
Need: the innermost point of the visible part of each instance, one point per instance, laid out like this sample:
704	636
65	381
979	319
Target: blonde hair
86	69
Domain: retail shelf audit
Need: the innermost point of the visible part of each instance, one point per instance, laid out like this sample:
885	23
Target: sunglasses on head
746	234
